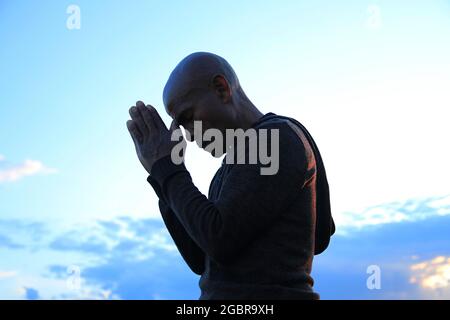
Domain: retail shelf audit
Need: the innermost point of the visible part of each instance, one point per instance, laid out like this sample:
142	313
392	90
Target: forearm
197	215
189	250
191	253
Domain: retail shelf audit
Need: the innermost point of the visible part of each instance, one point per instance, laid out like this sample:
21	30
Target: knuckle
151	109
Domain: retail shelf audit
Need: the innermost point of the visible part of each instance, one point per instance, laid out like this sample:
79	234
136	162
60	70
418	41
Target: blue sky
369	79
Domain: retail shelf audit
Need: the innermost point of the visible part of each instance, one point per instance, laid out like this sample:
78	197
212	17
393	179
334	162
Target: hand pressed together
150	135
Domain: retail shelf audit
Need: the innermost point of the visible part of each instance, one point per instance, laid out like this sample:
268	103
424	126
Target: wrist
164	167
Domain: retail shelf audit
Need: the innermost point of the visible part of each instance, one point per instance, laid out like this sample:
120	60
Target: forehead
174	92
177	101
181	87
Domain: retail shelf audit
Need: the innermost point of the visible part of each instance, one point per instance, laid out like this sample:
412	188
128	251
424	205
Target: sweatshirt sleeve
191	253
249	202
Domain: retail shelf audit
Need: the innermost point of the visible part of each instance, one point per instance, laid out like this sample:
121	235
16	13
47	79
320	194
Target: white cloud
31	286
394	212
159	239
2	157
27	168
7	274
433	276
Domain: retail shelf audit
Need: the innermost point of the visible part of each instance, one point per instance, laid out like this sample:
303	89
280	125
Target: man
255	235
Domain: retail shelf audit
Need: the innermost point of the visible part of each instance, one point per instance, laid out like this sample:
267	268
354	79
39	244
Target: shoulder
289	134
272	122
287	146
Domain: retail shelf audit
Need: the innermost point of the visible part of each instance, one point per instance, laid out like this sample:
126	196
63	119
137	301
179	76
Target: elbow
198	270
197	263
223	255
224	245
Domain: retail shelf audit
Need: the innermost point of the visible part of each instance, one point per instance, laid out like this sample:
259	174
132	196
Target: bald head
197	72
204	87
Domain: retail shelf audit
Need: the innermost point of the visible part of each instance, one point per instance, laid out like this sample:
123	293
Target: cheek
211	114
205	116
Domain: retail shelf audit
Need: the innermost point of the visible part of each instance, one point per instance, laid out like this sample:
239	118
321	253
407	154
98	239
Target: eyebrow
180	99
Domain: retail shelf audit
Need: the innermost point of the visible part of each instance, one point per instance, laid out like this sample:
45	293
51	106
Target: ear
222	88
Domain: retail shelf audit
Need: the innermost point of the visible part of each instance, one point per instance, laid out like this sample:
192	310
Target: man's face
201	105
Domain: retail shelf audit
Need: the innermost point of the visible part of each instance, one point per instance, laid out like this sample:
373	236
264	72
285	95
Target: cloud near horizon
7	274
433	276
135	258
28	168
394	212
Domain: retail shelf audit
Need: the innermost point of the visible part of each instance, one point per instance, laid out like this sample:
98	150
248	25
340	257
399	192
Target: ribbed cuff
155	186
163	169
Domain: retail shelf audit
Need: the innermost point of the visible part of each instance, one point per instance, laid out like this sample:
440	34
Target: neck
247	114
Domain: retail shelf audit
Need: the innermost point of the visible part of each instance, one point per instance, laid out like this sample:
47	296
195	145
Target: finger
151	117
146	116
139	121
139	103
135	133
156	117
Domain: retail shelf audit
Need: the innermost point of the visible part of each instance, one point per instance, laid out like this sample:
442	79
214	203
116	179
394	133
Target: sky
369	79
